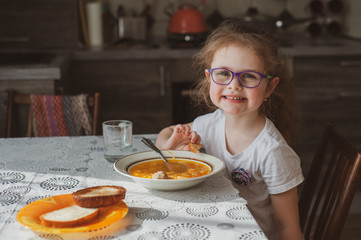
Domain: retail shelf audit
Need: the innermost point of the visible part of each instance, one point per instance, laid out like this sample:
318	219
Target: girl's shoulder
271	141
275	146
272	131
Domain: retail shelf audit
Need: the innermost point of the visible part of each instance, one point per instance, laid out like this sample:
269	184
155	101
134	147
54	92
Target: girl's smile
234	98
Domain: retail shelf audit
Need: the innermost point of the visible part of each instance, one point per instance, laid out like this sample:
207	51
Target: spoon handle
151	145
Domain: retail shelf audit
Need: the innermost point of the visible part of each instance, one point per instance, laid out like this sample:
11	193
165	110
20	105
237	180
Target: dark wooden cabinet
137	90
328	89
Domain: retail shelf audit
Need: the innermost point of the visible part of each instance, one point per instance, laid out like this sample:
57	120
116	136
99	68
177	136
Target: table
34	168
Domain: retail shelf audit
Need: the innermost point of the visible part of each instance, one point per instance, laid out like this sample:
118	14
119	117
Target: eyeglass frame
210	70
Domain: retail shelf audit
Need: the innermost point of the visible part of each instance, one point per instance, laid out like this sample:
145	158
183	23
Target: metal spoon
173	167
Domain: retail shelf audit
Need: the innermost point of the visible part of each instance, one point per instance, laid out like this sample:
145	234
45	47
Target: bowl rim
215	169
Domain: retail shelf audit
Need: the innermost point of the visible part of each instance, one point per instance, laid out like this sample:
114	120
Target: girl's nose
235	84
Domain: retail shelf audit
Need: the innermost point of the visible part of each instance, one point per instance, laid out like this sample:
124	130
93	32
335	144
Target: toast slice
194	147
100	196
69	216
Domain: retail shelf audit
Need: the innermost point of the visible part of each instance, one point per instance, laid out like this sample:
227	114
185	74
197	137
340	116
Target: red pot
187	20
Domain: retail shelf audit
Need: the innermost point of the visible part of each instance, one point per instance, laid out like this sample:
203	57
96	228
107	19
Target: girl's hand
180	138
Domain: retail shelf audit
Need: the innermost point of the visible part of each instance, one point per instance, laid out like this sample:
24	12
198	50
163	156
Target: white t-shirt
267	166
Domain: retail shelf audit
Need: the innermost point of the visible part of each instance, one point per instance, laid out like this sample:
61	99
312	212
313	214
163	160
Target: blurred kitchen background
343	11
137	53
42	23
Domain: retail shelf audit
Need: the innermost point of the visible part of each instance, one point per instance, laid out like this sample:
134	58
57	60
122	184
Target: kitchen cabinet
136	90
327	89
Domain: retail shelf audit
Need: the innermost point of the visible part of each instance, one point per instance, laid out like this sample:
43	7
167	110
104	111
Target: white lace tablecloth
35	168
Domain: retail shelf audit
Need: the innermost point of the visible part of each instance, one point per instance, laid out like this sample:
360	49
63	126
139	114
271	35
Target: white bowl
123	164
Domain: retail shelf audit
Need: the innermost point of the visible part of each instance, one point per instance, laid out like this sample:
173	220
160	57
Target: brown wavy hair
280	106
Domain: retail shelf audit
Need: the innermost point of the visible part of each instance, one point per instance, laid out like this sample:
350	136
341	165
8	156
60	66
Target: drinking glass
117	136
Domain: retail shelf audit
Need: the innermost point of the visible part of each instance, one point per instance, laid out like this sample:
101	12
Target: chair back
17	99
329	187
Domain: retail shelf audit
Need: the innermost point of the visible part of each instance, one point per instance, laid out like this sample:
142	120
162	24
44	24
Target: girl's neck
245	123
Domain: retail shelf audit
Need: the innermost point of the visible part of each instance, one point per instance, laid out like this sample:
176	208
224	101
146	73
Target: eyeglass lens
247	79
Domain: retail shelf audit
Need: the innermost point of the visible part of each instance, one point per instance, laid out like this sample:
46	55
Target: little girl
244	78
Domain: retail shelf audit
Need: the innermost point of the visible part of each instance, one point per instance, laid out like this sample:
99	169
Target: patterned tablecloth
35	168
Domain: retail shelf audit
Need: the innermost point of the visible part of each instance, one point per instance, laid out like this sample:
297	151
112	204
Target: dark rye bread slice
100	196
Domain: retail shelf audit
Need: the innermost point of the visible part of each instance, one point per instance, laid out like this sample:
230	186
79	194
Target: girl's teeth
236	98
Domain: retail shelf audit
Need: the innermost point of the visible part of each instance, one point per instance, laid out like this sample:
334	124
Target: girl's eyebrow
225	68
243	70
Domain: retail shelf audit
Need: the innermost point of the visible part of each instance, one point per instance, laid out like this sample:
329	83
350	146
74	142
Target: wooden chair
330	186
93	102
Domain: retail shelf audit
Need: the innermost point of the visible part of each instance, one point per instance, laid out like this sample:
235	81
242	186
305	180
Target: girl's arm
285	207
177	137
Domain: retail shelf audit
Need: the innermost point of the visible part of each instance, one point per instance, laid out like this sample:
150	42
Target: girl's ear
272	85
206	73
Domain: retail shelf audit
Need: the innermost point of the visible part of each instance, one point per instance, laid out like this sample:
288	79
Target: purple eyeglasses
248	79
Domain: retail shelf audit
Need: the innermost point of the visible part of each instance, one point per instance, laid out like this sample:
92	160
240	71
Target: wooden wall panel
327	89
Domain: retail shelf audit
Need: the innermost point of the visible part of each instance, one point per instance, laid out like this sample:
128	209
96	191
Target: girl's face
234	98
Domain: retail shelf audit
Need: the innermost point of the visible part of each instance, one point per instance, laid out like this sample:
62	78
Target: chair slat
331	195
327	193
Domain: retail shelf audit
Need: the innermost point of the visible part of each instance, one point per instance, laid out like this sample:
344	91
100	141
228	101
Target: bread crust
95	197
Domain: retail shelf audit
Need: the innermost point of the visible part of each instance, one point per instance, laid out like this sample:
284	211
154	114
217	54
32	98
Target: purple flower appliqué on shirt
241	177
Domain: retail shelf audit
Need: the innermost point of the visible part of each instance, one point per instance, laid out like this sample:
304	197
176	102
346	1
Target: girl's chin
237	110
232	111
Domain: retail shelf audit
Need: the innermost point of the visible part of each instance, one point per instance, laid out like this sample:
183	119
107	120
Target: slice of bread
69	216
100	196
194	147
